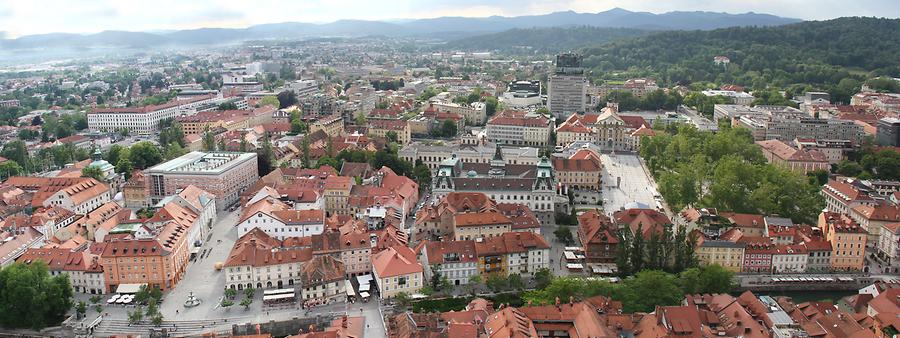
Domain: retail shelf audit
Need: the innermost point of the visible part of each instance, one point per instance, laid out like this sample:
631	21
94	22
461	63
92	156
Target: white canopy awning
129	288
349	288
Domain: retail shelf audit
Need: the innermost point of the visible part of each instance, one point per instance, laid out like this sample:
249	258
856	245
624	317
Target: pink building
800	160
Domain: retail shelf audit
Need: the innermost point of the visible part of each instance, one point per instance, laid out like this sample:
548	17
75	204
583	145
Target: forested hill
821	53
544	40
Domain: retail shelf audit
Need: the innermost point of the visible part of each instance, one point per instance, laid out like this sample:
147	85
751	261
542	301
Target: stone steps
185	327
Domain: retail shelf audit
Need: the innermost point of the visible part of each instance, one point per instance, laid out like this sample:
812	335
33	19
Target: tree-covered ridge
820	53
726	170
544	40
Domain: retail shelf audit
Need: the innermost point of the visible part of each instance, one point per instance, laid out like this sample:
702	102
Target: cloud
17	17
207	15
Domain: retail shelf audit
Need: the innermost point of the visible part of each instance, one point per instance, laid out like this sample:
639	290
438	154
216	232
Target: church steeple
97	155
498	165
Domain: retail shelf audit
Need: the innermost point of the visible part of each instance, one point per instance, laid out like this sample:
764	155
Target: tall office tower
568	86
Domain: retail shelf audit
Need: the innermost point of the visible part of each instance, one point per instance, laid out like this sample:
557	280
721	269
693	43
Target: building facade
145	120
223	174
727	254
396	270
534	186
519	129
567	92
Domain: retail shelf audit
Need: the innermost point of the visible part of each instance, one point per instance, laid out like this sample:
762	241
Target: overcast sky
27	17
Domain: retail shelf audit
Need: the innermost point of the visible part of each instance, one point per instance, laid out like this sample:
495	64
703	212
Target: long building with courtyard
531	185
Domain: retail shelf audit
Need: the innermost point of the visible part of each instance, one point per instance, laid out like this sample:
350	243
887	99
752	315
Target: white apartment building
199	202
478	152
259	261
80	198
145	120
740	98
83	268
283	223
454	260
788	259
888	247
518	128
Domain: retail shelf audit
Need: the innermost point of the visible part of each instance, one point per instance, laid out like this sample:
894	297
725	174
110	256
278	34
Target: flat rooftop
198	162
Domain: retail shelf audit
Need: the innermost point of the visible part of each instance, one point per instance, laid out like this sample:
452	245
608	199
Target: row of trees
662	251
150	297
52	127
231	294
726	170
387	84
869	163
141	155
705	104
447	128
641	293
21	162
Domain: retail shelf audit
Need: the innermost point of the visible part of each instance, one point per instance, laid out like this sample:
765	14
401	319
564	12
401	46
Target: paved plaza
636	185
201	277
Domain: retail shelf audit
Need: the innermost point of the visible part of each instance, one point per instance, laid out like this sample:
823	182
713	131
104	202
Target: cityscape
450	169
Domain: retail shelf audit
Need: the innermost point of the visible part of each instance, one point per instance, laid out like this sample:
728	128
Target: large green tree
144	154
9	169
31	298
92	172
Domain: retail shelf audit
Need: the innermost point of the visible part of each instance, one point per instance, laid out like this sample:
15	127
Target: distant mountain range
614	18
542	40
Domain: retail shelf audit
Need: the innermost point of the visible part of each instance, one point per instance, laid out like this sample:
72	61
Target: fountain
191	300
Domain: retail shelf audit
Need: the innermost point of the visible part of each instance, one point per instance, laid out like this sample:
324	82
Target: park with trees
727	171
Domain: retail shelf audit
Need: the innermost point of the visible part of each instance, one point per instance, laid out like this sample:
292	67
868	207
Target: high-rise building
888	132
568	86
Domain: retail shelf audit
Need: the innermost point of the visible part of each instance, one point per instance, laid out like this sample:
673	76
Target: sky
28	17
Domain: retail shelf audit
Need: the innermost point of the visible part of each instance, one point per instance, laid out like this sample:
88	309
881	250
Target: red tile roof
462	251
480	219
395	261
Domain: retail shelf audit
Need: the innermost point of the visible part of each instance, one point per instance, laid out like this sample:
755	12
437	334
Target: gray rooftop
197	162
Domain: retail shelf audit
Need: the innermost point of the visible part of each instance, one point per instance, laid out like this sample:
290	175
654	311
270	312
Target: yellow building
396	270
848	241
332	125
729	255
380	128
474	225
337	194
